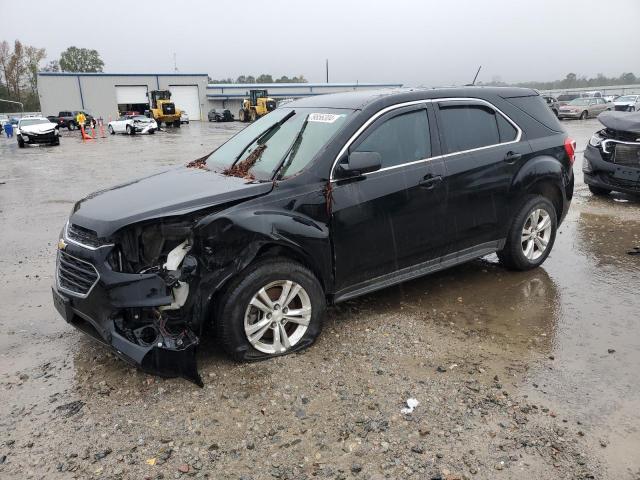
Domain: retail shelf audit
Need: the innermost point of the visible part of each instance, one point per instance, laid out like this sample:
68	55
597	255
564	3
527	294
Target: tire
71	126
129	130
632	109
177	124
20	142
111	130
241	115
513	254
152	132
56	142
254	115
598	191
235	314
584	115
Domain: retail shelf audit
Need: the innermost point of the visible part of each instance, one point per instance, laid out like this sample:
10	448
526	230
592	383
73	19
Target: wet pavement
518	374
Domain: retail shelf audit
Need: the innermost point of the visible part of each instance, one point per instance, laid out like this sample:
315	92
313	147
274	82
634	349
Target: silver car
627	103
583	108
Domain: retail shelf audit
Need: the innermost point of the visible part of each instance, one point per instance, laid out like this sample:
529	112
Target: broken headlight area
169	331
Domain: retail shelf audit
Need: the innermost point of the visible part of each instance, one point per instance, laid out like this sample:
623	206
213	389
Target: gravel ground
517	375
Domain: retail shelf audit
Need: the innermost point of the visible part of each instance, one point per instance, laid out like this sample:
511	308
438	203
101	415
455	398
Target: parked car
325	199
627	103
565	98
184	117
552	102
37	130
592	94
67	119
612	157
584	108
132	124
220	115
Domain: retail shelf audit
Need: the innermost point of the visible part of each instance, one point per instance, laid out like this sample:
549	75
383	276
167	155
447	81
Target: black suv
320	201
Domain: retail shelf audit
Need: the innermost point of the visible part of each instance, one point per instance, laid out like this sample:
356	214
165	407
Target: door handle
430	181
512	157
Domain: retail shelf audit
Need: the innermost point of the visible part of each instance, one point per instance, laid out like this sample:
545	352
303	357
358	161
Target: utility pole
326	64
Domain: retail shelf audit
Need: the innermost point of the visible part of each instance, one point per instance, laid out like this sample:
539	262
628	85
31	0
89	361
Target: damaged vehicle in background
132	124
627	103
612	157
323	200
37	131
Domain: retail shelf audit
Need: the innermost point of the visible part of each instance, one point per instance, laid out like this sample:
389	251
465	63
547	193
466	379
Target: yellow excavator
163	109
258	104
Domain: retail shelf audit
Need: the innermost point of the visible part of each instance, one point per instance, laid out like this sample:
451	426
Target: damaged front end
132	293
612	157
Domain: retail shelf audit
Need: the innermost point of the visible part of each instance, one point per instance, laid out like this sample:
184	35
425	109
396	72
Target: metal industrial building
230	95
106	94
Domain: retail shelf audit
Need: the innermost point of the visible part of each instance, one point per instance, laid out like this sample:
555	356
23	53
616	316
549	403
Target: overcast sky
407	41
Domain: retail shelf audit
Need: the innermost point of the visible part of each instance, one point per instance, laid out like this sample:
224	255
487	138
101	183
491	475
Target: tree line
264	78
19	66
571	81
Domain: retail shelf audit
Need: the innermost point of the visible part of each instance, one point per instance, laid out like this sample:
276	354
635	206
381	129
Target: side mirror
359	163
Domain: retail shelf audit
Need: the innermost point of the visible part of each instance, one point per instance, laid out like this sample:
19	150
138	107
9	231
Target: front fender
227	242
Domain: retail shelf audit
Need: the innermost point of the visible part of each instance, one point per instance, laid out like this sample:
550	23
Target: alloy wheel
536	234
277	317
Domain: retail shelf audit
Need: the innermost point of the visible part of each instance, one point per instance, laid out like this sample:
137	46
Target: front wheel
531	236
274	308
71	126
111	130
129	130
242	115
632	109
584	115
20	142
599	191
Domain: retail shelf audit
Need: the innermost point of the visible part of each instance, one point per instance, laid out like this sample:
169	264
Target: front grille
628	155
75	276
83	235
621	108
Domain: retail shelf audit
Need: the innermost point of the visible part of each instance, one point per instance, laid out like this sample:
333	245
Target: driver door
388	221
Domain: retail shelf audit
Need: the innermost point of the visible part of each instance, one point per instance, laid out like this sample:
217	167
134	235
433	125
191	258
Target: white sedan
132	124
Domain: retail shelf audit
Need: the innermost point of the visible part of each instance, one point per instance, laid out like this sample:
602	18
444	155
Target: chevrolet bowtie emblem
62	244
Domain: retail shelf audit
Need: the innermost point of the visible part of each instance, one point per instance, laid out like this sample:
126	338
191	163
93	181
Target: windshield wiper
265	136
291	151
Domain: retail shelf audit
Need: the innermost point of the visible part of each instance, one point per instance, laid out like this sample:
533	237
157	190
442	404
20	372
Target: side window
401	139
466	127
508	132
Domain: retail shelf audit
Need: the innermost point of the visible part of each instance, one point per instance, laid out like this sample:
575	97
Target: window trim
390	108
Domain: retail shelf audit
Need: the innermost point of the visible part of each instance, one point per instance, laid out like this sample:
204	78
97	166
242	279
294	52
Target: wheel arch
543	175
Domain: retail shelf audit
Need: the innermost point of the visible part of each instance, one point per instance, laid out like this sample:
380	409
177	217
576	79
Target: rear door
393	218
482	153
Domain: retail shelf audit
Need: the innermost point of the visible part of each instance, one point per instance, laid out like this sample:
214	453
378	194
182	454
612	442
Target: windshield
284	141
580	101
627	98
33	121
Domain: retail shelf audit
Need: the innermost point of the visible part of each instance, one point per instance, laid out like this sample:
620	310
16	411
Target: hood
172	192
621	121
39	128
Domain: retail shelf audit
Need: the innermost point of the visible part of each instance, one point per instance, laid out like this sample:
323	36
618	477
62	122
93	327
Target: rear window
537	108
468	126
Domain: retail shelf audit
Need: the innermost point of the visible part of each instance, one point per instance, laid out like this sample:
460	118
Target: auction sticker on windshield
324	117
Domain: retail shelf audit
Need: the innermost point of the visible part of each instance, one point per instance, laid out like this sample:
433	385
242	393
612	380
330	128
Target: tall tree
75	59
33	57
52	66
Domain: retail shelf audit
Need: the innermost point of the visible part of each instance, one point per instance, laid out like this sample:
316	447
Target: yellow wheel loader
258	104
162	109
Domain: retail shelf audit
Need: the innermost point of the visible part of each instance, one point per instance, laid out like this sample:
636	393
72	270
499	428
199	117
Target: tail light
570	148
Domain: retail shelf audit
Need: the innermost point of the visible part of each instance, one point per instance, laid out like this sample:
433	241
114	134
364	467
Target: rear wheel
176	124
254	115
111	130
632	109
584	115
242	115
599	191
276	307
531	236
71	126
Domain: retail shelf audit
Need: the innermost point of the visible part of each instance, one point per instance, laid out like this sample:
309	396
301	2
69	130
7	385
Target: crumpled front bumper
600	173
114	293
146	128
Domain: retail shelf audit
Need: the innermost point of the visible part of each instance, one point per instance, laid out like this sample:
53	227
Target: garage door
186	98
131	94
